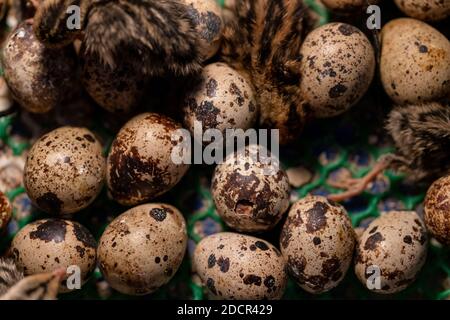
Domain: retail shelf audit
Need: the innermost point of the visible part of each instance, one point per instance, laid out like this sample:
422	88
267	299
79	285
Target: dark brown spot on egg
49	202
261	245
423	49
211	261
157	260
224	264
210	285
347	29
316	241
158	214
330	267
337	91
211	87
83	235
81	251
269	282
372	241
316	217
252	279
407	239
50	230
89	138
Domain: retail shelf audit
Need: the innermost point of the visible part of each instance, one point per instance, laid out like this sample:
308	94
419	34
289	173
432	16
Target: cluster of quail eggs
141	249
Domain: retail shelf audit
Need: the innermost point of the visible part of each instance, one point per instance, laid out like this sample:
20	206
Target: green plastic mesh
350	143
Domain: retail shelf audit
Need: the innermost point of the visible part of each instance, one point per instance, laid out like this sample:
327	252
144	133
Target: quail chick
421	134
262	40
14	286
156	37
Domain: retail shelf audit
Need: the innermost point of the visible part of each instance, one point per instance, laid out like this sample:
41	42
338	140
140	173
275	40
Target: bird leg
355	186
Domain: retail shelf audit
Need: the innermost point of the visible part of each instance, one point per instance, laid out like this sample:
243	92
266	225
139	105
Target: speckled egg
338	64
415	61
39	78
395	244
5	211
49	244
239	267
437	210
140	165
222	99
64	170
250	197
317	241
142	248
207	17
425	9
118	90
348	6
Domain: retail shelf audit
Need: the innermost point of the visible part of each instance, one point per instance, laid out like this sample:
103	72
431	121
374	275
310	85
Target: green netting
351	142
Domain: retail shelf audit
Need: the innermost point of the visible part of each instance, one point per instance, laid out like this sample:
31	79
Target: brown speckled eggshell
143	248
64	171
222	99
239	267
118	90
425	9
246	197
415	61
139	165
317	241
49	244
437	210
39	78
207	17
338	64
5	211
396	242
348	6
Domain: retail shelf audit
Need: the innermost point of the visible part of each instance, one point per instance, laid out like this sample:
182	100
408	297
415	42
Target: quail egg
5	211
317	241
140	165
222	99
117	90
391	252
415	61
64	170
425	9
338	64
239	267
143	248
50	244
347	6
250	192
39	78
207	17
437	210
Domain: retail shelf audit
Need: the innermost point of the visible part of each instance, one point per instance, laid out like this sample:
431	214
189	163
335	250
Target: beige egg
39	78
250	193
207	17
222	99
348	6
239	267
142	249
140	165
393	246
5	211
49	244
64	171
425	9
118	90
437	210
338	64
317	241
415	61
